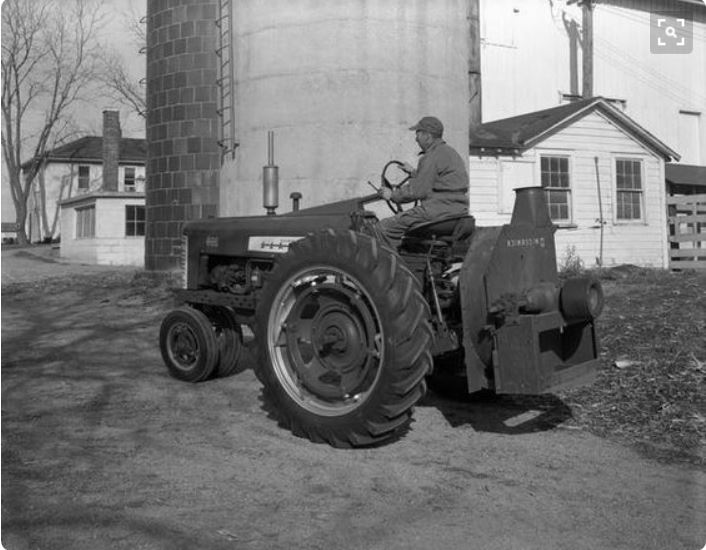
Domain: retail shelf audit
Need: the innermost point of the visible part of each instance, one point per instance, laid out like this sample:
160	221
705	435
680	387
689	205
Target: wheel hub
183	344
331	347
340	338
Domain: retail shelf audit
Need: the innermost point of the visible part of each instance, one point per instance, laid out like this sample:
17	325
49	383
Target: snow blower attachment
524	330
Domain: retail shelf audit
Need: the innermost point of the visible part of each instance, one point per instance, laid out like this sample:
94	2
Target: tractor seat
447	230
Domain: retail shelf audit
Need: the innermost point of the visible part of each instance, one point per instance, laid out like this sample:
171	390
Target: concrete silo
339	82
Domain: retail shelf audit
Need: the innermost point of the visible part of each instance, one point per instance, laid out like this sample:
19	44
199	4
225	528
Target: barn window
86	222
84	177
628	179
557	187
134	221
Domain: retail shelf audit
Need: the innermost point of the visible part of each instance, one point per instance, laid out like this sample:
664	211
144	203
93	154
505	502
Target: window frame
129	186
81	225
615	191
564	154
87	178
133	224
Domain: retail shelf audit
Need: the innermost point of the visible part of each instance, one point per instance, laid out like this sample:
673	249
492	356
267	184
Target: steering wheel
385	182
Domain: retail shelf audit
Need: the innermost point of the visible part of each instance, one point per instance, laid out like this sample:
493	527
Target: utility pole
474	77
587	12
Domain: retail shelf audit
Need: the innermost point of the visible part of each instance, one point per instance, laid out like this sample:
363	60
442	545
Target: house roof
685	174
90	149
515	134
90	198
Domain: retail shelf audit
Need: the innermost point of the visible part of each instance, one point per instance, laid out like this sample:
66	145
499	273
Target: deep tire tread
405	317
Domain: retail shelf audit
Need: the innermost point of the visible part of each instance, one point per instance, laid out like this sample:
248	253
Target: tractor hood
268	235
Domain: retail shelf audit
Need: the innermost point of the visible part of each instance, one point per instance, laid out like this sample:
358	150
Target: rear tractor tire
344	340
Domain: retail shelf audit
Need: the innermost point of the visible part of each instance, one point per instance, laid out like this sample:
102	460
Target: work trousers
395	227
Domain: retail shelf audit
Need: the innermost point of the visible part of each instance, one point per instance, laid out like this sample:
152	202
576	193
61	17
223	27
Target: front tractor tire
188	344
344	340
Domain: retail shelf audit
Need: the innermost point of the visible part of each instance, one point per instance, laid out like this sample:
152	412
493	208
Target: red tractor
348	330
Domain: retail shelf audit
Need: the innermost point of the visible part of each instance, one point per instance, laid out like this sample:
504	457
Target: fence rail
687	231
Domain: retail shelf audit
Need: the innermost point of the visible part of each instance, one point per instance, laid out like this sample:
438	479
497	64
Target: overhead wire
644	20
630	64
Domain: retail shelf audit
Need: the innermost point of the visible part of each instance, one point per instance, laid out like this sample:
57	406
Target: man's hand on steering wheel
385	193
386	187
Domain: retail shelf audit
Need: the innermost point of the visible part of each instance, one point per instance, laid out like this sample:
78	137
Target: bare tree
122	87
49	58
119	83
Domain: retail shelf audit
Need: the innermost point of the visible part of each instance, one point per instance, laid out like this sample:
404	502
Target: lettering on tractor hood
271	243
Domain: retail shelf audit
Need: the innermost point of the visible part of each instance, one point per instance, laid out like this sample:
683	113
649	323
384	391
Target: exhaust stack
270	178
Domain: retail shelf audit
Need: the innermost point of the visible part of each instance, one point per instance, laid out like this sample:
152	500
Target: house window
134	221
628	179
84	177
86	222
129	178
557	187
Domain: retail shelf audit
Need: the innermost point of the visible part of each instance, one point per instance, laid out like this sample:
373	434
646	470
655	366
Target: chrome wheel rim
325	341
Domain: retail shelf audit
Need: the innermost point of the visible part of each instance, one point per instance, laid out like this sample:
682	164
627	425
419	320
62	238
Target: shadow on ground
487	412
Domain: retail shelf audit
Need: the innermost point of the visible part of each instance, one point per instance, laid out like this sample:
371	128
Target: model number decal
531	242
271	244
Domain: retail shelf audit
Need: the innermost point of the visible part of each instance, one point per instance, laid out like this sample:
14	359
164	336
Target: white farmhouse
90	193
603	175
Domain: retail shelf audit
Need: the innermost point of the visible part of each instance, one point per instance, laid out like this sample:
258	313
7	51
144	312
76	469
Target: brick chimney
111	149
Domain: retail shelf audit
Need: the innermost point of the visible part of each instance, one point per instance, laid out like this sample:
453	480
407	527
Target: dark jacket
440	181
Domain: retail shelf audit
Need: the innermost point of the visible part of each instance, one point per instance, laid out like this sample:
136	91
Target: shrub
571	263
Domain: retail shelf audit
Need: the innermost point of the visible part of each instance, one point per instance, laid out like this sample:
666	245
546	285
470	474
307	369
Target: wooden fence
687	231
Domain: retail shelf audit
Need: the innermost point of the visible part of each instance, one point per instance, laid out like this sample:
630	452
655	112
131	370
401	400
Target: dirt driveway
102	449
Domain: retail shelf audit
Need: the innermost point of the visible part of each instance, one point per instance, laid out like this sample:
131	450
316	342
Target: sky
114	35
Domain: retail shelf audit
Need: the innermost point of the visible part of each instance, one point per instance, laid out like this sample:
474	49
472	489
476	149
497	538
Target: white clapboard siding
593	136
483	183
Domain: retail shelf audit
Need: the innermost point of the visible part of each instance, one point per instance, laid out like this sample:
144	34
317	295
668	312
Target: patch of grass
651	388
131	283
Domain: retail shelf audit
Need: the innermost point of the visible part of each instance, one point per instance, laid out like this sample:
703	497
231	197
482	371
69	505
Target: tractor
349	331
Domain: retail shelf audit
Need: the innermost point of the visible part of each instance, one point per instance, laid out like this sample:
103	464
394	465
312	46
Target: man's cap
430	124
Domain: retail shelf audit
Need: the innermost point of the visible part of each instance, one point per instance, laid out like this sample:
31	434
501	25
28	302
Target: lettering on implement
527	242
271	243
